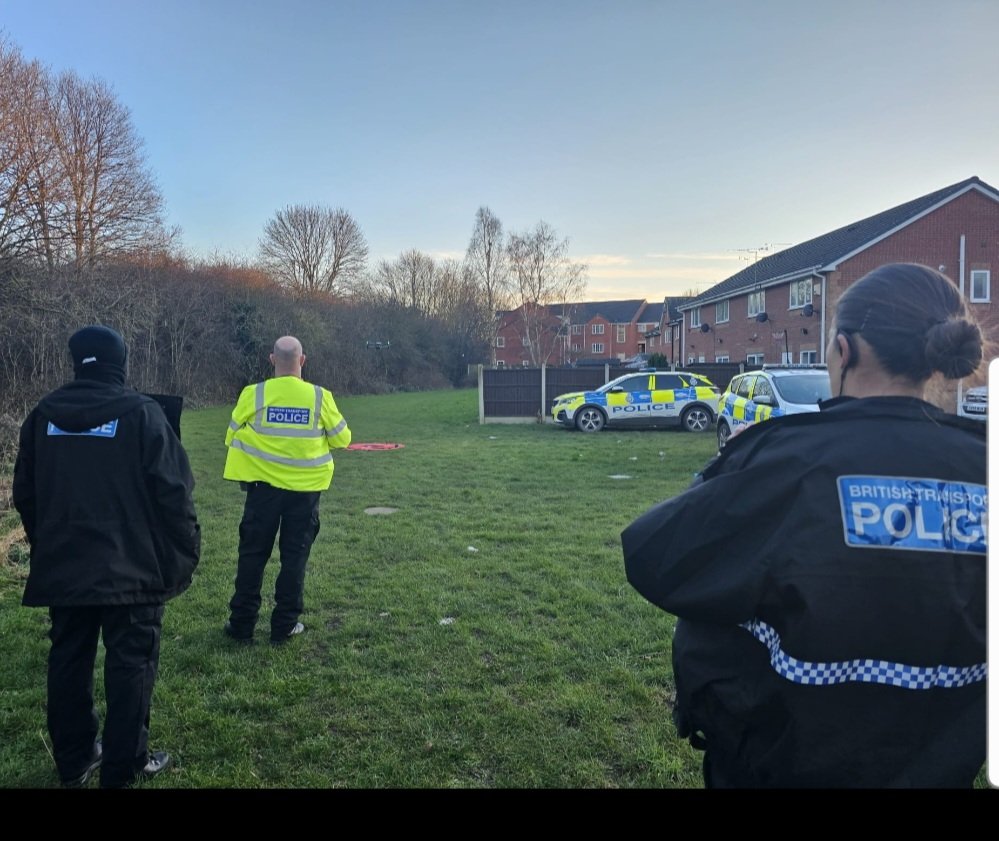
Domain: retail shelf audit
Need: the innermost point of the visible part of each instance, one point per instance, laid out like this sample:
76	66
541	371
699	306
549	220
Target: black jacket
822	554
108	511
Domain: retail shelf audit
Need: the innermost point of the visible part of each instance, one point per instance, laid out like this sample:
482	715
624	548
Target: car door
629	403
668	396
743	408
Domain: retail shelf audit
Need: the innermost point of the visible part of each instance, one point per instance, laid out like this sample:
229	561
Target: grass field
482	636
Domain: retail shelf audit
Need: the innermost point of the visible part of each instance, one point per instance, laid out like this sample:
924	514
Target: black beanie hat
98	351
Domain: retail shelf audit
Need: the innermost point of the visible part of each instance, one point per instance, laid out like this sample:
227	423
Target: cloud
604	260
695	255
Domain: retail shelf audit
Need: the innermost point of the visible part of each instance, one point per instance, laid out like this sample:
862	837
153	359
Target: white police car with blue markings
647	398
769	393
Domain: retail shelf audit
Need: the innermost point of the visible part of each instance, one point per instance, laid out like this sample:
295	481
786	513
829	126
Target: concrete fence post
482	399
544	370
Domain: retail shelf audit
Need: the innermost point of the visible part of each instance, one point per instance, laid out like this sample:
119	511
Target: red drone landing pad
375	446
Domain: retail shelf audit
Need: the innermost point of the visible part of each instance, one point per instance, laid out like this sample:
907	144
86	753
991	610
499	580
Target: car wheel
696	419
724	433
590	420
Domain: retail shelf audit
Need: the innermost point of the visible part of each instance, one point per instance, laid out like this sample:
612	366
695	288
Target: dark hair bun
954	348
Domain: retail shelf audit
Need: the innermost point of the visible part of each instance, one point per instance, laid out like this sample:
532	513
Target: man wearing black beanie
104	490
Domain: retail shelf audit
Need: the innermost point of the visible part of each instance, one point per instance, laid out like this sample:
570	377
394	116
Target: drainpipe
960	270
822	322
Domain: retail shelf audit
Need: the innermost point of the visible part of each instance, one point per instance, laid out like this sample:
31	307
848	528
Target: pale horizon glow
668	141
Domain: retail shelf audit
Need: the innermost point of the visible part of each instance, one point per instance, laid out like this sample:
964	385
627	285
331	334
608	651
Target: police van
769	393
647	398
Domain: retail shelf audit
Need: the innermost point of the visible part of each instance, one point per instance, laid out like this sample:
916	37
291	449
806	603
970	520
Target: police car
648	398
975	403
774	391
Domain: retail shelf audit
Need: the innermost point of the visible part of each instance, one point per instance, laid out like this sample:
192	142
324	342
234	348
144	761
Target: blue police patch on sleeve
284	414
105	430
927	515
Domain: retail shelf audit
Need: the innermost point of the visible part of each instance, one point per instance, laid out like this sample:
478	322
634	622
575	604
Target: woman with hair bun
828	569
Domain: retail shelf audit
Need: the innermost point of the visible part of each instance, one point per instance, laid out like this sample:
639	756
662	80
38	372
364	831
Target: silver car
975	403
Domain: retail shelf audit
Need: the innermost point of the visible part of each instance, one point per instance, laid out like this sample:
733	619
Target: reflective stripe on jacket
281	433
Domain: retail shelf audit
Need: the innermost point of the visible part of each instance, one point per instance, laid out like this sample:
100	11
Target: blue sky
659	137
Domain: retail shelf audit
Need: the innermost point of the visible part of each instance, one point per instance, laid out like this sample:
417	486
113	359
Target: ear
271	358
301	361
847	351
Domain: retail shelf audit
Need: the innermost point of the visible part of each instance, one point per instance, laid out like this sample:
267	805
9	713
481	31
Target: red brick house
782	307
563	334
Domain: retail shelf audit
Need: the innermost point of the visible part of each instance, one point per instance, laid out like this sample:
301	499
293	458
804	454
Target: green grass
552	673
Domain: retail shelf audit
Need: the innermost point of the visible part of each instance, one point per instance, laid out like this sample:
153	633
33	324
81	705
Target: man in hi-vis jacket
279	439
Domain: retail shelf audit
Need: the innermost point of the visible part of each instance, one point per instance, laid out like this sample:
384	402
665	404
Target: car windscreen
803	388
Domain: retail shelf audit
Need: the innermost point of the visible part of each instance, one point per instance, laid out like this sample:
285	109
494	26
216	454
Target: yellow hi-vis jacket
281	433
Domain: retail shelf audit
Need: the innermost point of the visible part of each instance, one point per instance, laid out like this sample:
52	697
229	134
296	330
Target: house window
721	312
596	329
801	293
690	360
701	358
500	363
786	358
500	341
721	358
577	329
525	342
808	357
597	347
695	317
576	348
980	286
526	363
757	304
621	334
754	358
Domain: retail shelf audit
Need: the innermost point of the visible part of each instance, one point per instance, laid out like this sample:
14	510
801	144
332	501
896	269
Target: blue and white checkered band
105	430
861	671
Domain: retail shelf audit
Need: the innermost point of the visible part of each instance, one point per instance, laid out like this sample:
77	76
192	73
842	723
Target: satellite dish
705	328
808	311
762	317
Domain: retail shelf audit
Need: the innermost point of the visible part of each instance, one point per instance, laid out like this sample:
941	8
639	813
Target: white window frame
695	317
596	329
760	299
808	357
525	363
577	329
500	363
690	360
525	342
723	357
701	359
985	276
786	358
597	347
501	341
621	333
576	348
755	358
721	312
800	294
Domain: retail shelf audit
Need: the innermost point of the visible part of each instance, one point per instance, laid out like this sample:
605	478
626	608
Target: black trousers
268	510
132	648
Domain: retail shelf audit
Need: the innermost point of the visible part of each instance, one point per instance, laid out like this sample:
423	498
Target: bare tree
110	203
487	260
314	249
545	280
22	139
408	281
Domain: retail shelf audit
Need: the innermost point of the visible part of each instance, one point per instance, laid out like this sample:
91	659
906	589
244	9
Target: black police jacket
829	575
104	490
